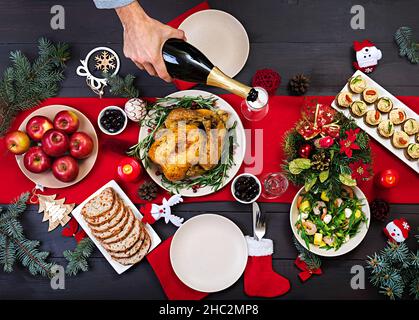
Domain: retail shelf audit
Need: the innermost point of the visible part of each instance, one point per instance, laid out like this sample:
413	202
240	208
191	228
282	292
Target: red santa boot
260	280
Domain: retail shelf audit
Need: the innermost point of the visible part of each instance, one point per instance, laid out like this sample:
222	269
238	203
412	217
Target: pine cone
148	191
379	209
298	85
320	162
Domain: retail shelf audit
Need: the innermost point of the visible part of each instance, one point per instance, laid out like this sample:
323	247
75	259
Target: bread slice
108	216
139	255
119	220
137	246
126	243
126	230
100	204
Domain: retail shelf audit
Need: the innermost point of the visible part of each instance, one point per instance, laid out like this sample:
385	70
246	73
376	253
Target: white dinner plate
155	239
238	153
346	247
220	36
208	253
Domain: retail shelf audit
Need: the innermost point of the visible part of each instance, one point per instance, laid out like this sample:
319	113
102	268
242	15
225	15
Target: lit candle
388	178
129	169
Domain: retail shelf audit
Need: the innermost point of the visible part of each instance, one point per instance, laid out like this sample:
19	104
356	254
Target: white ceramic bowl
246	175
112	108
346	247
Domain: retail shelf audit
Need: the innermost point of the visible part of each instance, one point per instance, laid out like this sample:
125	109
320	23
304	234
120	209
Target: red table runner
284	112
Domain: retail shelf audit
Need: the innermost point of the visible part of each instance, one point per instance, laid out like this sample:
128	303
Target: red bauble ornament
268	79
388	178
324	142
129	169
305	150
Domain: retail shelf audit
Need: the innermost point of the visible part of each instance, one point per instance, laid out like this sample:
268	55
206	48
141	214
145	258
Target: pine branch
15	246
313	261
407	46
77	259
25	84
7	254
122	87
394	269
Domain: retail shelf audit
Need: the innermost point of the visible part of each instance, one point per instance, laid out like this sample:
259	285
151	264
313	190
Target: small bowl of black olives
112	120
246	188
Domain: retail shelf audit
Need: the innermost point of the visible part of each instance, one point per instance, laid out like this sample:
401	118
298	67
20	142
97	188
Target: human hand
144	38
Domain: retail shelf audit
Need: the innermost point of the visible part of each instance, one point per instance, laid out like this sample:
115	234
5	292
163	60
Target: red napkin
175	23
175	289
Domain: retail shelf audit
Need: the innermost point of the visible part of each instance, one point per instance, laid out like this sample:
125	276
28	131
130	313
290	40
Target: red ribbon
71	231
306	273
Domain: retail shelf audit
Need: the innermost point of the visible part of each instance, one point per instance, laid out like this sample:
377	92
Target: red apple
17	142
37	126
55	143
65	169
67	121
81	145
36	160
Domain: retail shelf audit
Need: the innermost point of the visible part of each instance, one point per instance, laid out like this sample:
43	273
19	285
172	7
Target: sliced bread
100	204
137	246
125	231
128	242
137	257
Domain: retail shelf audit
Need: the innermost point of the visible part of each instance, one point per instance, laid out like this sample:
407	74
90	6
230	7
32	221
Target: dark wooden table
291	36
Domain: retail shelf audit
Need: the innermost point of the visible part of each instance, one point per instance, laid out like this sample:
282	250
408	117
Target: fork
260	226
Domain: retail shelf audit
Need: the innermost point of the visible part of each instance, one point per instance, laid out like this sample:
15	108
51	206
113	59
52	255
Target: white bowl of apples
56	146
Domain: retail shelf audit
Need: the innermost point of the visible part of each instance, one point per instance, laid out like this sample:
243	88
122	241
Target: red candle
129	169
388	178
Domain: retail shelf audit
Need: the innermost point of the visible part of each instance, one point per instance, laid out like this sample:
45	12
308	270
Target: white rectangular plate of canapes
382	116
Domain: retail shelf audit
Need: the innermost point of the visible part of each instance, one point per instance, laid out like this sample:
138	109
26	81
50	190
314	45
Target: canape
373	118
412	151
386	128
370	95
397	116
411	126
344	99
400	139
357	84
384	104
359	108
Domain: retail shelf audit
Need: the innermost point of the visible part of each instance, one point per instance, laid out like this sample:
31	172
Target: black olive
112	120
246	188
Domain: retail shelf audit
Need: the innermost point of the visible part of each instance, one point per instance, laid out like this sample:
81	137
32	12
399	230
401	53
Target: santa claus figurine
397	230
367	56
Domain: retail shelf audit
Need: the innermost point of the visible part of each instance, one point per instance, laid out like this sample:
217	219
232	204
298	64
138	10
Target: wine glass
274	185
256	110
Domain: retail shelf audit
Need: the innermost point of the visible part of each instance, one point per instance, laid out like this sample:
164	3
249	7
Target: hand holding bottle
144	38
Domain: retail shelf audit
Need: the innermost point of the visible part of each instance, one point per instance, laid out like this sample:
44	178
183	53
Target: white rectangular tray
155	239
399	153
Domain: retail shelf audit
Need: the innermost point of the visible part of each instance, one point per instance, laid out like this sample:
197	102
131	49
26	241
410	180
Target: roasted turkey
189	143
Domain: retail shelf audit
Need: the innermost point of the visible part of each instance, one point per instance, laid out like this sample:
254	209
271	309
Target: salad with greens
329	223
